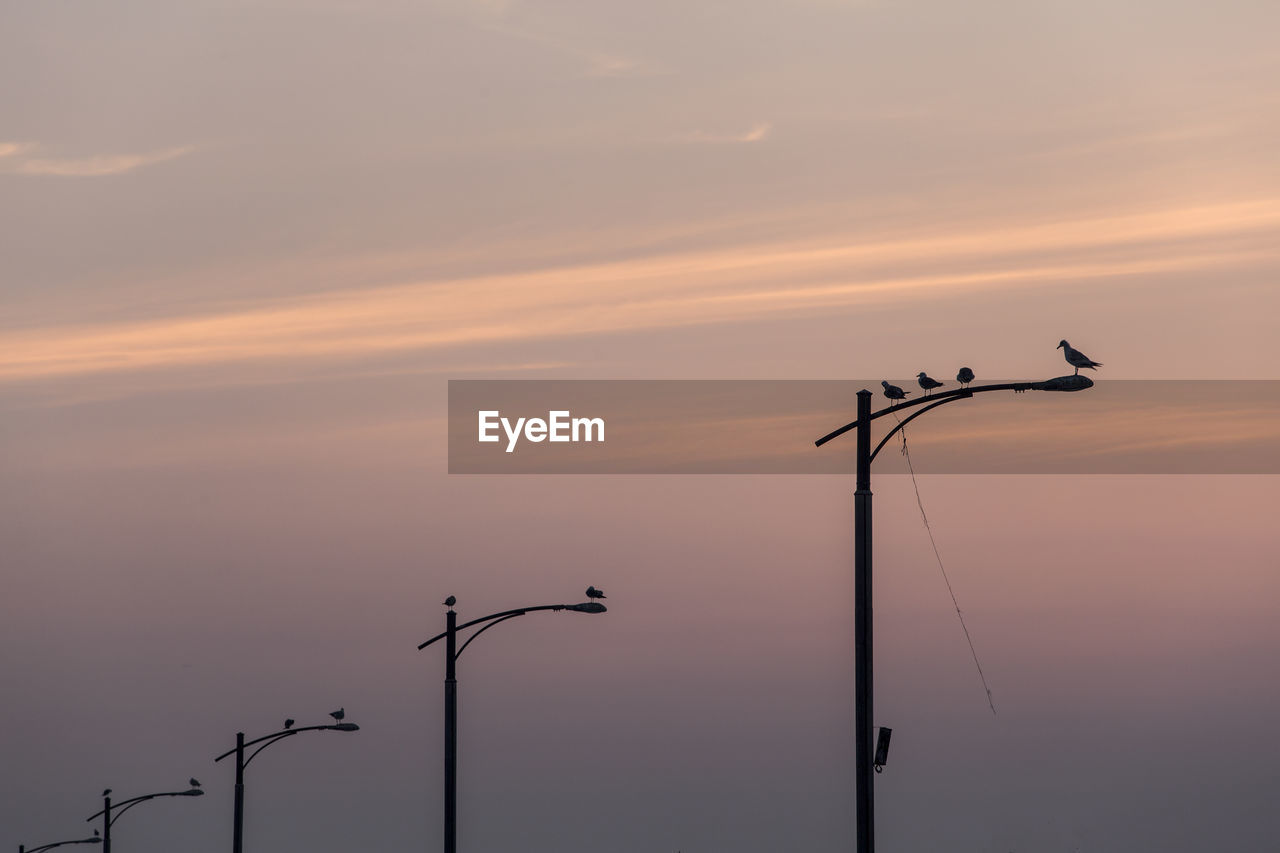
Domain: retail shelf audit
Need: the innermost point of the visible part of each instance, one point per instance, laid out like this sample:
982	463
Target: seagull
893	392
288	724
106	793
1077	359
926	383
195	783
965	376
450	601
592	592
338	714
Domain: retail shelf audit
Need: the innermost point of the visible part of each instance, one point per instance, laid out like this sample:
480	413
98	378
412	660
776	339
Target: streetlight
124	805
862	567
452	653
237	835
94	840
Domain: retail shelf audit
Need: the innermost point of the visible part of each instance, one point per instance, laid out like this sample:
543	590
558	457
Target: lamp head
588	607
1066	383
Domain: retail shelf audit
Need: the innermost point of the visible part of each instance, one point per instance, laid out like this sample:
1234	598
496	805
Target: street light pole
864	793
452	652
862	634
237	818
237	828
111	812
451	734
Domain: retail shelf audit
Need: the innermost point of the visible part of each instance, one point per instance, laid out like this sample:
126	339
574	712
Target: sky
247	244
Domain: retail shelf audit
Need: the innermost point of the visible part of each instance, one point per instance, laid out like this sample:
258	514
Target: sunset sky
245	245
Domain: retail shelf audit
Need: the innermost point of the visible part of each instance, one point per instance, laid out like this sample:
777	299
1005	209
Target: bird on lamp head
592	592
1075	358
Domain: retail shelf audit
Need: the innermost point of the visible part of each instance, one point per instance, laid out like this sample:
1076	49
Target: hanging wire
943	569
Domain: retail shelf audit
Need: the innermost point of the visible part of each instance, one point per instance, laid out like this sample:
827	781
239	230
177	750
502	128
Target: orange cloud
693	288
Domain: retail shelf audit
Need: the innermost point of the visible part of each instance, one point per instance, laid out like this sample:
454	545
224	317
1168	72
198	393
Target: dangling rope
943	569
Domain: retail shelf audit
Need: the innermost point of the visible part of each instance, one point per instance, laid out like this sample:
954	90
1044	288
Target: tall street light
237	834
94	840
862	568
111	811
452	653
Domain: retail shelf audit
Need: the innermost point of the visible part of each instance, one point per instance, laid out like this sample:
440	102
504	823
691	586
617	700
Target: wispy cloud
755	133
609	65
536	25
724	285
98	165
12	149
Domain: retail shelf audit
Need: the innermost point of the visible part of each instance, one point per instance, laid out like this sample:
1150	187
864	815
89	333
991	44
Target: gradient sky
245	245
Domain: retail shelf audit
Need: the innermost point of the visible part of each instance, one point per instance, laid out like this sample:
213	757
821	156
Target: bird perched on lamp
592	592
927	383
338	714
893	392
1075	358
965	376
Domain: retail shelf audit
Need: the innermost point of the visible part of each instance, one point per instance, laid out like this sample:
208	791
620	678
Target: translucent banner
771	426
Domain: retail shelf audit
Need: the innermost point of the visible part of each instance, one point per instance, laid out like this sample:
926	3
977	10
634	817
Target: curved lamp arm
123	806
495	618
94	840
267	740
909	419
1060	383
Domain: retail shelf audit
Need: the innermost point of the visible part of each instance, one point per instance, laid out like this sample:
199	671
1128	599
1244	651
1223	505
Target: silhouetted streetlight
864	762
452	652
94	840
237	834
111	811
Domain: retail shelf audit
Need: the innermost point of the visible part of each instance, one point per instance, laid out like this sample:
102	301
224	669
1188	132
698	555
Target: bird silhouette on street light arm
927	382
893	392
1075	358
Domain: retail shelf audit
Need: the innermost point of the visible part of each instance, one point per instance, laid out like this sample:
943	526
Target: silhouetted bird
926	383
893	392
106	793
965	376
1075	358
592	592
288	724
95	833
450	601
338	714
195	783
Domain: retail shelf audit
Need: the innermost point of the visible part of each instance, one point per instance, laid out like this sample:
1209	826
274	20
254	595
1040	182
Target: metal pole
450	737
237	831
862	630
106	824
